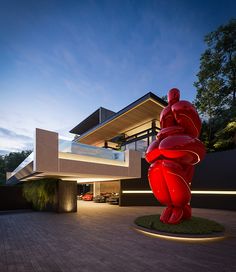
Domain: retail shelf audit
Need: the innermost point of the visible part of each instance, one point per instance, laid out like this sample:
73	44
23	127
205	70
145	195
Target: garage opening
100	192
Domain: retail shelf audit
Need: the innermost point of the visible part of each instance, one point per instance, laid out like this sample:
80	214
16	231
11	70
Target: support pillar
96	188
67	196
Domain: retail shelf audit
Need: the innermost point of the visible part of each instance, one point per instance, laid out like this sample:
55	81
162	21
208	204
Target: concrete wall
137	184
46	151
11	198
215	172
49	162
102	168
106	187
110	186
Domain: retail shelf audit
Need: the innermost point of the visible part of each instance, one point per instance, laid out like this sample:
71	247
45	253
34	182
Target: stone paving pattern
99	237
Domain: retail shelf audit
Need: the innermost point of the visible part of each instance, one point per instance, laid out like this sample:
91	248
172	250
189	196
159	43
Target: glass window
122	148
130	146
141	145
152	138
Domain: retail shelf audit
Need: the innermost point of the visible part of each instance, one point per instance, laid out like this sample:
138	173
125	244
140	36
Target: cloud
11	141
12	135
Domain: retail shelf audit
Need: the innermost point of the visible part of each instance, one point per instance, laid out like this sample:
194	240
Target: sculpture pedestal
196	229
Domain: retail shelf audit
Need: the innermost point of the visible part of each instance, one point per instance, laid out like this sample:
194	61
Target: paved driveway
100	238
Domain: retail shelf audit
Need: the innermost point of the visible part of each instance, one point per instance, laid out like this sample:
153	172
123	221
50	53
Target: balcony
54	157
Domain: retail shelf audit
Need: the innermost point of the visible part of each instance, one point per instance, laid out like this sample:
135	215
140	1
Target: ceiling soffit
146	111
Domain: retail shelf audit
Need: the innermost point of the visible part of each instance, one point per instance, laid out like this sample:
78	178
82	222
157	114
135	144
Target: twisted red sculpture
172	157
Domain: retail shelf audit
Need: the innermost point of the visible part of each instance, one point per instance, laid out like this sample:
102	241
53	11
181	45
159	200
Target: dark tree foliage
216	88
2	170
10	161
13	159
164	97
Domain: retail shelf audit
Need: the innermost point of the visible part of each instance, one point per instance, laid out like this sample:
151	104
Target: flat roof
92	120
144	109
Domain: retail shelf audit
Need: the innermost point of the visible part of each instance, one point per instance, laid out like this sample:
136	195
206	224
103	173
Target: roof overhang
145	109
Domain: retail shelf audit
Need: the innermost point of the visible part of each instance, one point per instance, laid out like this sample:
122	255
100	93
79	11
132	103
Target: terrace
53	157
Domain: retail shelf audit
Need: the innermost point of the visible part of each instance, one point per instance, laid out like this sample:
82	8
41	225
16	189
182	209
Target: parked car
107	195
88	196
113	199
79	197
99	199
102	198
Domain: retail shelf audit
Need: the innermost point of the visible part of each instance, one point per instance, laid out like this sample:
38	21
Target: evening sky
61	60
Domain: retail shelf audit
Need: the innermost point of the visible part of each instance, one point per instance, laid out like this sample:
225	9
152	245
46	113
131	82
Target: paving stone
99	237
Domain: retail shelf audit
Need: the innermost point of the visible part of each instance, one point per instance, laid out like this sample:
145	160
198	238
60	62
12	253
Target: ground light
181	239
193	230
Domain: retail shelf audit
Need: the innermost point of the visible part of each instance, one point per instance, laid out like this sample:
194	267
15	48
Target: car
99	199
102	198
79	197
88	196
107	195
113	199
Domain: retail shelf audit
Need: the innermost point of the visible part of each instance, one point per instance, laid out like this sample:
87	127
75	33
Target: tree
13	159
226	137
164	97
2	170
216	84
9	162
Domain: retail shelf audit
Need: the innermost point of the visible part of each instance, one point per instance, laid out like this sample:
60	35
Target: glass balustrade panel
89	150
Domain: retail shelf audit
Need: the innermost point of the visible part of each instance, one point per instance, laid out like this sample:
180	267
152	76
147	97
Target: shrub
41	193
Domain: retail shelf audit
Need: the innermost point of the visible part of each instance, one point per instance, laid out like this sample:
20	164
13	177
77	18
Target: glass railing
89	150
25	162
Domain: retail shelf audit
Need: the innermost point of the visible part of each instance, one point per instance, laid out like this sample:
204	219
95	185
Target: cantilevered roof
145	109
92	120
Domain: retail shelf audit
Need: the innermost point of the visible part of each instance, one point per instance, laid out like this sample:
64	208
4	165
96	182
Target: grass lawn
195	225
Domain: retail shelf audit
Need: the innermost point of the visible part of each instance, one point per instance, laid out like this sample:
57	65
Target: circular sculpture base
195	229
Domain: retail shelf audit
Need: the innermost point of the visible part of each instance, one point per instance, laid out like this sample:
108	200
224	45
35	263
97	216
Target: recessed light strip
181	239
195	192
214	192
136	192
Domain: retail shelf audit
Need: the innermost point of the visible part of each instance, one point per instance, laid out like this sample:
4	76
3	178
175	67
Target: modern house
107	155
107	148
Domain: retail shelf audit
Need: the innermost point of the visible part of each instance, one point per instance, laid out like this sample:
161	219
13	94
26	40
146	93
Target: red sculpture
172	157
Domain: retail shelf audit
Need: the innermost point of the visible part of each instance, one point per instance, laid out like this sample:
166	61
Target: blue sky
61	60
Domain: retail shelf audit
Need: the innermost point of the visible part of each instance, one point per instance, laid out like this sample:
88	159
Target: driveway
99	237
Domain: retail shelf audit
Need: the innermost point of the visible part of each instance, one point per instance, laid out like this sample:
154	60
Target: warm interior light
196	192
84	180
